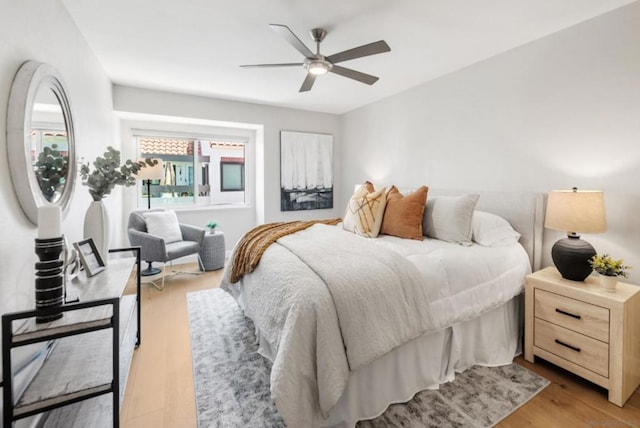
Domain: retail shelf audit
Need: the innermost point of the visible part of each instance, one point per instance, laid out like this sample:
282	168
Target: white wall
559	112
269	121
43	31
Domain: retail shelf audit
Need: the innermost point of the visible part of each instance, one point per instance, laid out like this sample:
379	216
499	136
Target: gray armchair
154	249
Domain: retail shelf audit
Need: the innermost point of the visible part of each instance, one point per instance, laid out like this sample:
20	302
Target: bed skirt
492	339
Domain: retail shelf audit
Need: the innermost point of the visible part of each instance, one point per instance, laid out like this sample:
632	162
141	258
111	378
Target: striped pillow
349	222
365	211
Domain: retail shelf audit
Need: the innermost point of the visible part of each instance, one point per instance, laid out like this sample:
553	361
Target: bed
344	346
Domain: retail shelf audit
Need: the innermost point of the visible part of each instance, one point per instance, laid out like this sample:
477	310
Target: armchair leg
155	282
150	270
173	272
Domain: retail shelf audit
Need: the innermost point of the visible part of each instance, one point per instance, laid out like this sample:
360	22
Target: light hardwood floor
160	387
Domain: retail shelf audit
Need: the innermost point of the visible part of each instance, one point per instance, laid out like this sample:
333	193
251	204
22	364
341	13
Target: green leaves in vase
107	172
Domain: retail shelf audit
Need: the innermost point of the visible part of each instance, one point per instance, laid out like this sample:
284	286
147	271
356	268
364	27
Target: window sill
212	207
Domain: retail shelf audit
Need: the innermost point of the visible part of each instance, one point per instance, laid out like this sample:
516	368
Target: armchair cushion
163	224
179	249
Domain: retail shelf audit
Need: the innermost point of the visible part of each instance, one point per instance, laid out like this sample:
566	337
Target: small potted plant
609	270
212	226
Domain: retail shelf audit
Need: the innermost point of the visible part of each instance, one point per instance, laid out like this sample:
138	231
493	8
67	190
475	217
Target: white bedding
299	325
381	303
463	282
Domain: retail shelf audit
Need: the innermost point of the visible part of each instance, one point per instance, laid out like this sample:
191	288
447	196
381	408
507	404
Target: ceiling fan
318	64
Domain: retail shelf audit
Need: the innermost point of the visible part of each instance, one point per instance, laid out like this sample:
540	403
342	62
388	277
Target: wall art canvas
306	171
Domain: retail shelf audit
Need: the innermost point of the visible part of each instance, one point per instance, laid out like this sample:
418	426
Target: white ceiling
196	46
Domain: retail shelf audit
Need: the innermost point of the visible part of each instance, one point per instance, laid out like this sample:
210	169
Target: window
196	171
231	174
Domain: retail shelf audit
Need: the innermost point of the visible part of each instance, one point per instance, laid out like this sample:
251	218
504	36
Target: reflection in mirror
48	144
40	139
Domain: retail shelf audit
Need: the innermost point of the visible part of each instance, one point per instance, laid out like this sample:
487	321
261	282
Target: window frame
241	135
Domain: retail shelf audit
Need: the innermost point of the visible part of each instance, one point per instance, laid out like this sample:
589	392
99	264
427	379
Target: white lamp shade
155	172
579	211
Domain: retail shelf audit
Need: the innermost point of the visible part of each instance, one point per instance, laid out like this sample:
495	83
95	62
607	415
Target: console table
92	347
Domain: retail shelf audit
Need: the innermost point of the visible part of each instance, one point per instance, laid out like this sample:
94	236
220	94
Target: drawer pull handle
559	342
569	314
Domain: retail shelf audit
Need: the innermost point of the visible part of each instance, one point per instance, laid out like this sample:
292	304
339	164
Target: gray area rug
232	380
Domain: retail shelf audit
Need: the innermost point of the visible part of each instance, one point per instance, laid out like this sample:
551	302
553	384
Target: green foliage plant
107	172
51	171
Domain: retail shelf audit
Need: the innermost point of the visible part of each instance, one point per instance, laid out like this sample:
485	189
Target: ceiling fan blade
308	82
355	75
364	50
287	64
288	35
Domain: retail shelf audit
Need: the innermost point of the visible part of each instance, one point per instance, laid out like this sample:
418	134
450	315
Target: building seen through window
195	171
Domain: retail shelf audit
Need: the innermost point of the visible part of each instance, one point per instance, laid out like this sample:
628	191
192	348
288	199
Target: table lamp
574	211
148	173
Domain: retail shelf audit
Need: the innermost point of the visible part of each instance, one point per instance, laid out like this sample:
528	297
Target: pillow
449	218
163	224
490	230
403	214
349	222
365	212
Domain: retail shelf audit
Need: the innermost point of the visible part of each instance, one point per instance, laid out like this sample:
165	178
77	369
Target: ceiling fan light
318	67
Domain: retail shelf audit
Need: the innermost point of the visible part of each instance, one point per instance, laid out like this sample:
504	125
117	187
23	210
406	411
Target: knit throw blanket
255	242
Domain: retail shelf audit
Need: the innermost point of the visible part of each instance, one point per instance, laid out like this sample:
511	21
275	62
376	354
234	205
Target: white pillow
163	224
449	218
490	230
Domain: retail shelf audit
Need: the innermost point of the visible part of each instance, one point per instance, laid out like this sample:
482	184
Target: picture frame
306	171
89	256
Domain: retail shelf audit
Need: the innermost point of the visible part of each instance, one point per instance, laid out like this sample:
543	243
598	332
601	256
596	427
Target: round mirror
40	139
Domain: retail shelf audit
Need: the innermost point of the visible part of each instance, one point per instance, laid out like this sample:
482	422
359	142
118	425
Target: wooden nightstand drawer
586	352
585	318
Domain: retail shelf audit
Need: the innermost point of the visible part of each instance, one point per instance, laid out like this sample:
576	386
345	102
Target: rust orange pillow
403	214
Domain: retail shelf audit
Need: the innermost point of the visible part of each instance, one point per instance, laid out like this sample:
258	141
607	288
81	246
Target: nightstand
585	329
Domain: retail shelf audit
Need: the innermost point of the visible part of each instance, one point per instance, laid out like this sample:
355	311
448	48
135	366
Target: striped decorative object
365	211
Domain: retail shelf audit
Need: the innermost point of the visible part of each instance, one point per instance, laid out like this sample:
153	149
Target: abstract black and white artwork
306	171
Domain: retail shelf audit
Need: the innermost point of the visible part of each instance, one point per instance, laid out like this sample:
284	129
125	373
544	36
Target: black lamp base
571	256
150	270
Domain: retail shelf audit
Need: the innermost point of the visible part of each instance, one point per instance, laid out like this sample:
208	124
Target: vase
96	227
609	283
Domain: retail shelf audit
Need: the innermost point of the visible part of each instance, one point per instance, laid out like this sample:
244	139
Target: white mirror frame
30	76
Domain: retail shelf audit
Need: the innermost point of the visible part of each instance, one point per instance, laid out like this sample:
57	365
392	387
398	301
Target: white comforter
378	294
322	306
